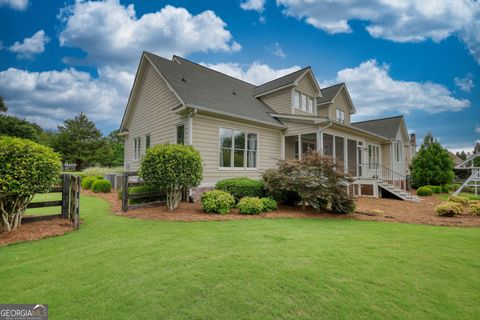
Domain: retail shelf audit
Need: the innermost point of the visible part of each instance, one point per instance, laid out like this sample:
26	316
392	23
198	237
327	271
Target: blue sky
417	58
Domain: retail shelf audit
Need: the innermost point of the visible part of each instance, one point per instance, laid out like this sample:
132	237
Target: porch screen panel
291	147
339	153
327	144
352	157
309	142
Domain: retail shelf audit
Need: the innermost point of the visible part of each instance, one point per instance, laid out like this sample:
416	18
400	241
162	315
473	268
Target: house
241	129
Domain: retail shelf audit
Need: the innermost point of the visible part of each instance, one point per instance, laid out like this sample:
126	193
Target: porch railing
387	175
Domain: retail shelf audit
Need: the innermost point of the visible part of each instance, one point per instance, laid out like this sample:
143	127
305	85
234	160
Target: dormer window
303	102
340	116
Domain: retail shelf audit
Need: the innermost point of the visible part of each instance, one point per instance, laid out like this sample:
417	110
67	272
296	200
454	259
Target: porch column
282	147
345	154
319	142
299	147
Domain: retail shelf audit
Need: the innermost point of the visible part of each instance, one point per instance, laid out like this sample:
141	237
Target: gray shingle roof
203	87
329	93
386	127
280	82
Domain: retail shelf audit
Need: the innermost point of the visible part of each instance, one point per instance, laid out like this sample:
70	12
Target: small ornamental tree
172	168
26	168
432	165
313	178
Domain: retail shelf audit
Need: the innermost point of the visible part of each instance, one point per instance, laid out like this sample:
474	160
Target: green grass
48	210
121	268
471	196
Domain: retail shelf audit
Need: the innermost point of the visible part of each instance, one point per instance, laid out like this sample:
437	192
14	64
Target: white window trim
398	155
175	131
341	113
301	107
232	168
137	156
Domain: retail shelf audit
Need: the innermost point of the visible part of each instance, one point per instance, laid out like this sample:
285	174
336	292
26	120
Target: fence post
77	204
65	195
125	192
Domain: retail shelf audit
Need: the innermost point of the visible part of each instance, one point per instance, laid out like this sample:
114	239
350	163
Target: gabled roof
385	127
330	93
210	90
281	82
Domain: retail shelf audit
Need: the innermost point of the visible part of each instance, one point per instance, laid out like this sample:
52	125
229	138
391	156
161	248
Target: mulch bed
372	209
36	230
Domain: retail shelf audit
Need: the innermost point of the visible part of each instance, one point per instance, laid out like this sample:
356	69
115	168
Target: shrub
424	192
141	189
99	177
88	182
241	187
312	177
269	204
101	186
343	203
474	209
26	168
286	197
250	205
172	168
447	188
435	189
456	186
322	203
217	201
458	199
448	209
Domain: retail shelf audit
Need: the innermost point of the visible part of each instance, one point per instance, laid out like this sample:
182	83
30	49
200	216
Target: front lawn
122	268
471	196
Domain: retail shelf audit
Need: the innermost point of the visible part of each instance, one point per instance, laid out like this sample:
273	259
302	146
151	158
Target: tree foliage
79	141
313	178
172	168
20	128
3	106
432	165
116	144
26	168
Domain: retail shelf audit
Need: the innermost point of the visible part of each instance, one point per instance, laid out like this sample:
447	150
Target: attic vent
183	79
234	93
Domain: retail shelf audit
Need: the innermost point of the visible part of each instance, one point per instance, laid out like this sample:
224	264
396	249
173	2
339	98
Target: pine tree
432	165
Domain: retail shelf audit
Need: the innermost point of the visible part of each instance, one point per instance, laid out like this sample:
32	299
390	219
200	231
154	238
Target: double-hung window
180	134
136	148
303	102
340	116
398	151
238	149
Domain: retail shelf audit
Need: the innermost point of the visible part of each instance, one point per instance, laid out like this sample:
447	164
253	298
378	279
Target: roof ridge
386	118
334	85
216	71
286	75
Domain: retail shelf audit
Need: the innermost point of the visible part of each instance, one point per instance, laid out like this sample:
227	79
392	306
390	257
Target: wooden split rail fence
70	203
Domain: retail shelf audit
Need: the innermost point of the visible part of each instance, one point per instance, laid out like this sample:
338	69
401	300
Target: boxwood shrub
424	191
448	188
103	186
448	209
88	182
269	204
474	209
459	199
435	189
241	187
217	201
250	205
141	189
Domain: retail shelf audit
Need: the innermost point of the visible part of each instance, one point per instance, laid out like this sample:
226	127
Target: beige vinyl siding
152	115
206	141
400	167
387	155
306	86
280	101
295	128
340	102
323	111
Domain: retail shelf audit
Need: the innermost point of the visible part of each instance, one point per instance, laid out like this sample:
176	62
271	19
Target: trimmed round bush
448	209
424	192
269	204
250	205
26	168
103	186
448	188
458	199
474	209
99	177
435	189
88	182
241	187
141	189
217	201
172	168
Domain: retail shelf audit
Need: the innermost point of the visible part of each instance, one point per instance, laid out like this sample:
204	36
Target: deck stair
402	194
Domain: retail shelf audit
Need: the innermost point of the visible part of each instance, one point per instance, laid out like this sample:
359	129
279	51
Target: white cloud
111	34
477	129
374	92
50	97
277	51
465	83
15	4
256	73
397	20
30	46
255	5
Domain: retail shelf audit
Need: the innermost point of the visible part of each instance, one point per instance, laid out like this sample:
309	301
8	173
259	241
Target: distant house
241	129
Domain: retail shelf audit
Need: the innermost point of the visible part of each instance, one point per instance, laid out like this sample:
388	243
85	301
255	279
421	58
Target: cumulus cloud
256	73
255	5
465	83
30	46
50	97
277	51
375	92
15	4
400	21
112	34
